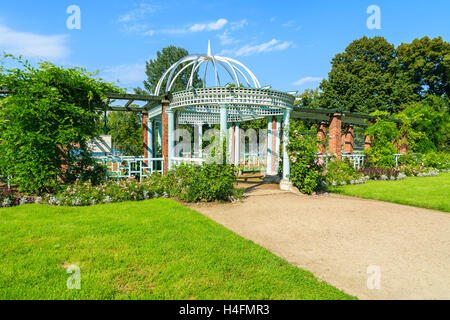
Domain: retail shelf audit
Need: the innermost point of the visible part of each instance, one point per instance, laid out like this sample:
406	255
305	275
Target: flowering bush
306	168
437	160
11	197
342	173
189	183
380	173
418	170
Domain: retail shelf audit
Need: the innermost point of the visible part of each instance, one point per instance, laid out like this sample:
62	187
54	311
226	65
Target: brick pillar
145	133
348	139
367	142
335	135
403	146
165	136
321	137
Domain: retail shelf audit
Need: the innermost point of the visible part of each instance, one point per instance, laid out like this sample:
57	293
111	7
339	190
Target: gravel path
337	238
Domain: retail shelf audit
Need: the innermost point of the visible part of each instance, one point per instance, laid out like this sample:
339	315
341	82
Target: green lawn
425	192
155	249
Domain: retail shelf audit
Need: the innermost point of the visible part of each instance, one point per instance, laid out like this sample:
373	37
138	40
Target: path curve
338	237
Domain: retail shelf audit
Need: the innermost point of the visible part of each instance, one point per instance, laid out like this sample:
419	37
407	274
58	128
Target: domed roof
234	68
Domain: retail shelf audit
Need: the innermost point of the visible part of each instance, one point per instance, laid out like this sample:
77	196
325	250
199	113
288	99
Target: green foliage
365	78
46	121
154	69
209	182
306	169
431	116
308	99
382	134
437	160
340	172
125	129
426	64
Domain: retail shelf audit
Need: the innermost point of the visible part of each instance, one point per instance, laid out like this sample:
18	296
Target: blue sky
288	44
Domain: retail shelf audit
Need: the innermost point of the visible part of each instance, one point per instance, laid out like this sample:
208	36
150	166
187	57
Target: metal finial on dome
231	66
209	48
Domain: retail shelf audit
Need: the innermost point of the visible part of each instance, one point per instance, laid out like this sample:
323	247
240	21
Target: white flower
23	201
6	202
107	199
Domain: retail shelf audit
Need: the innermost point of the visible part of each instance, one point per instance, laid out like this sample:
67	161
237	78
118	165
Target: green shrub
208	182
306	168
382	134
341	172
189	183
437	160
50	113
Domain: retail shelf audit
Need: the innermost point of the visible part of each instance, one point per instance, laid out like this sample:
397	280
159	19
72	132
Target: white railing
126	167
356	158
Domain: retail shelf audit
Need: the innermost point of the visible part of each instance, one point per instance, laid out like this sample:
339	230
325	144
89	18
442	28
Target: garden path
337	238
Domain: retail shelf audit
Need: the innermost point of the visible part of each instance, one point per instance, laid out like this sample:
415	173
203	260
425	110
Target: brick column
334	143
402	145
367	142
165	136
321	137
348	139
145	133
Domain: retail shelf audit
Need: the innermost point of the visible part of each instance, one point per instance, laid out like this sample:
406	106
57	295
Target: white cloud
306	80
225	38
238	24
289	23
249	50
212	26
32	45
138	13
124	73
197	27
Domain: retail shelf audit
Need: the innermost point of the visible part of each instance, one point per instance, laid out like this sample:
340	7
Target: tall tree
426	64
154	69
364	78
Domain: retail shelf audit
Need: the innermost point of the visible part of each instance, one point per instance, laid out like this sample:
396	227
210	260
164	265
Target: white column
286	165
159	136
237	144
276	152
150	138
170	135
223	129
230	143
270	157
198	140
223	121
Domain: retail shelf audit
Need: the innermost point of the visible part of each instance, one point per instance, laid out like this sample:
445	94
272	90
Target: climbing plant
46	121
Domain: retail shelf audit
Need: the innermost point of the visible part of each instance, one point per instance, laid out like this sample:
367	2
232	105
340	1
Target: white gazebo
241	99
